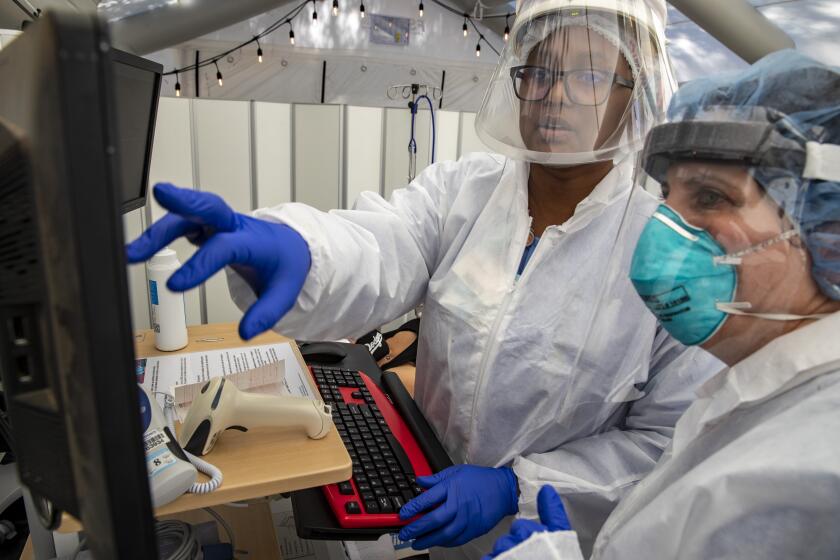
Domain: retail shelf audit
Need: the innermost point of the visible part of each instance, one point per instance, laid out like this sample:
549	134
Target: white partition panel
172	162
447	125
136	274
317	145
397	136
222	147
469	139
272	133
363	151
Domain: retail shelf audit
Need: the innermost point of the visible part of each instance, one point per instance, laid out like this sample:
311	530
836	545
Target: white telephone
170	472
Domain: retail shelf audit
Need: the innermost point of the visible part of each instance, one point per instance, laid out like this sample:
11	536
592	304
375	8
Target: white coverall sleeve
769	514
592	474
370	264
547	545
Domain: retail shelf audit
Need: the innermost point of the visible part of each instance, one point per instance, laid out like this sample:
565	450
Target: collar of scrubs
782	364
613	187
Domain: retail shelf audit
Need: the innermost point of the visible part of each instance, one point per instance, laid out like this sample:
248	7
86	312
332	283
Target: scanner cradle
222	406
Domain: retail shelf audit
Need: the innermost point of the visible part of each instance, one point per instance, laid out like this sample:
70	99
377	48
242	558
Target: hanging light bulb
177	86
478	49
335	7
259	52
507	28
362	10
291	35
421	9
314	11
218	74
465	26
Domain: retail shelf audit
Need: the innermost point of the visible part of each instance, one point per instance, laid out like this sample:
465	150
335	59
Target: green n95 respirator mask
687	279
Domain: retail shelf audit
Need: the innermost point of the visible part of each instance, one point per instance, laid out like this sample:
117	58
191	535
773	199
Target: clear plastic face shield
578	82
746	241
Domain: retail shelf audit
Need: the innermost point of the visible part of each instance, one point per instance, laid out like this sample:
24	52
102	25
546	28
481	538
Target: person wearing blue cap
742	259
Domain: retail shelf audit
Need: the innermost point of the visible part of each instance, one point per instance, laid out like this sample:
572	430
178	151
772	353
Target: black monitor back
66	355
137	89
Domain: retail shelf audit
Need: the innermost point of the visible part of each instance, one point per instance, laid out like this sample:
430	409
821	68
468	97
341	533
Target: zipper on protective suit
511	291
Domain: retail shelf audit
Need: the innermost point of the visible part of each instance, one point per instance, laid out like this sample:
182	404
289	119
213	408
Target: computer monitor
66	346
137	89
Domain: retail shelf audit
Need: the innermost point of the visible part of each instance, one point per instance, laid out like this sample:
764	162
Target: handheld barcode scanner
222	406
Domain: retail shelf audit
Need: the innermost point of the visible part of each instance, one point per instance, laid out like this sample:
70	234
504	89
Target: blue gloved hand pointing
552	516
273	258
465	501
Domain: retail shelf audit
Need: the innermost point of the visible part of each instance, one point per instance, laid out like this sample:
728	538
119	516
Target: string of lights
294	12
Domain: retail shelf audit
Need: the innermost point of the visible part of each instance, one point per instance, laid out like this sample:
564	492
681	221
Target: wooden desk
260	462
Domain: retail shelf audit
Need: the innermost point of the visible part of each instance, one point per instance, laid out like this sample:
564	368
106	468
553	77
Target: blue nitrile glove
273	258
465	501
552	515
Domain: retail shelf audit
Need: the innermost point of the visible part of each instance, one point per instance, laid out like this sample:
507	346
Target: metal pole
737	25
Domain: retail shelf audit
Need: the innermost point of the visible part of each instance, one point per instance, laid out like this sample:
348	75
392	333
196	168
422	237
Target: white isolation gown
753	470
507	371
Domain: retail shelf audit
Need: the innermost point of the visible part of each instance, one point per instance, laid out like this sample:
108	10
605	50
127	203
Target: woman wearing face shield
742	259
508	256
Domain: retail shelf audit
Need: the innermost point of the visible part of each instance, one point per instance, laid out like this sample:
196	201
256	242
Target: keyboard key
376	483
346	488
364	487
352	507
356	394
393	490
385	504
367	495
379	492
401	484
398	502
407	496
371	506
388	481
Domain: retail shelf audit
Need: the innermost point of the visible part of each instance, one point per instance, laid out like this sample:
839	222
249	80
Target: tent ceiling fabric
814	25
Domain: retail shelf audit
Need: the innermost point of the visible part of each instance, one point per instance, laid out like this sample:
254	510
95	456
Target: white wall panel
136	274
273	150
447	123
397	135
172	162
317	155
222	136
210	144
364	151
469	139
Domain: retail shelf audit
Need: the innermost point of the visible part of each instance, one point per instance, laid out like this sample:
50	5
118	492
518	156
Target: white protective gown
753	470
498	371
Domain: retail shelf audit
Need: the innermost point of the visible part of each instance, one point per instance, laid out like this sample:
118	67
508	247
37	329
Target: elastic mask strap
736	258
737	307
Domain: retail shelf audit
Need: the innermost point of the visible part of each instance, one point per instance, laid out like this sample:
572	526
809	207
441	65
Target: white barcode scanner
221	406
170	472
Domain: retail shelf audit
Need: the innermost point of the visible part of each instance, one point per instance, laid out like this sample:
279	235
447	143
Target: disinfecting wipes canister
169	320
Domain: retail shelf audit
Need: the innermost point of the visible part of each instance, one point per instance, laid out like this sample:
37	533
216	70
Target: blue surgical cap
800	98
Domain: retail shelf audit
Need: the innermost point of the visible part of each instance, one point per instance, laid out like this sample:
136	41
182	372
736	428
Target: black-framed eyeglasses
582	87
